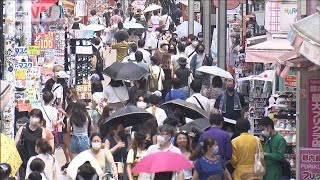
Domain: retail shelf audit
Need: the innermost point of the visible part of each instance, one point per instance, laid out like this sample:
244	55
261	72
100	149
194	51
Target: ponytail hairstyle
202	148
44	146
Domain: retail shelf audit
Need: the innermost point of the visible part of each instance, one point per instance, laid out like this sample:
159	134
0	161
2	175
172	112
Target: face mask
161	139
149	29
194	43
201	51
265	133
96	145
216	150
34	120
230	134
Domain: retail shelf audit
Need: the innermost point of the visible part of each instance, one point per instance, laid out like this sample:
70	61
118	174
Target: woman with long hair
208	163
116	94
72	95
45	153
182	141
80	122
137	151
105	114
168	74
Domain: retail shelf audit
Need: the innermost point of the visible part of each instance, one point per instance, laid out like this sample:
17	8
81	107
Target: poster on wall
309	163
288	15
46	40
59	48
314	113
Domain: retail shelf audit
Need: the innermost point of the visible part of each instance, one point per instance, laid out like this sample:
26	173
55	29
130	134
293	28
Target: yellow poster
21	74
33	50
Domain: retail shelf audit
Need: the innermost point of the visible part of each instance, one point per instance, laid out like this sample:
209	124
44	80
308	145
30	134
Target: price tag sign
33	50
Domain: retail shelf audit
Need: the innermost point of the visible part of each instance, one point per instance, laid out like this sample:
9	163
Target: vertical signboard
314	113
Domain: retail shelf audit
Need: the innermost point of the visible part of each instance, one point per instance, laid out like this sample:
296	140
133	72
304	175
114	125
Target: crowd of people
223	151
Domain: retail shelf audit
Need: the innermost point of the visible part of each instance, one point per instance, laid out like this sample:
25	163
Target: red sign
314	113
45	40
290	81
231	4
41	5
309	163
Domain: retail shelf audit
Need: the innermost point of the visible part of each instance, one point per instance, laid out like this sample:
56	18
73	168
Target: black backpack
99	63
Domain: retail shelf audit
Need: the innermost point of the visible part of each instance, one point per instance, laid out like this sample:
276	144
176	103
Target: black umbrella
200	124
191	110
125	71
128	116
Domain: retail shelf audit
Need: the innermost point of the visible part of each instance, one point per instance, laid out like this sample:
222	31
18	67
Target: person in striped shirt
121	47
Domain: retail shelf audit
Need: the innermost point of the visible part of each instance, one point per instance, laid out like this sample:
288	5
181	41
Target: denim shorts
79	144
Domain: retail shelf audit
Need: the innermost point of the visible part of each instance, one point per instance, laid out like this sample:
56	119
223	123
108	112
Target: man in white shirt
166	19
191	49
146	54
131	57
165	132
181	53
50	114
197	98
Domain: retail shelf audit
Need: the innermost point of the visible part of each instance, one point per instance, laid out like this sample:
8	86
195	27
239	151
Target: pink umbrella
162	162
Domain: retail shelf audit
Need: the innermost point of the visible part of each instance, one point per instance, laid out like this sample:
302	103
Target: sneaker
288	138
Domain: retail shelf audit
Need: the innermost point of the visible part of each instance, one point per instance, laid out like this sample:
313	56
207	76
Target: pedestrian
107	15
183	142
122	31
184	74
165	19
116	94
77	23
121	47
86	171
45	153
230	103
50	82
274	149
137	152
158	112
26	138
140	62
59	91
244	148
180	53
197	98
156	75
165	132
177	14
131	18
222	137
191	49
105	114
118	142
216	89
103	156
168	74
94	19
97	103
208	162
98	59
37	167
173	42
164	45
79	125
146	54
155	20
116	18
131	54
119	7
175	93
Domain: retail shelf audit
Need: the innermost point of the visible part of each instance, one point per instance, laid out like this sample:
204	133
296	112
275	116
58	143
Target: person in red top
116	18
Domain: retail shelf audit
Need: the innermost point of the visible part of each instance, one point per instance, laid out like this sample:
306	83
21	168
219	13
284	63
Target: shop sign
314	113
288	14
33	50
45	40
290	81
310	51
20	51
309	163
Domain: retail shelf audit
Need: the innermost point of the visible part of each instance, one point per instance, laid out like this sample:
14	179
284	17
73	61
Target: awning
269	51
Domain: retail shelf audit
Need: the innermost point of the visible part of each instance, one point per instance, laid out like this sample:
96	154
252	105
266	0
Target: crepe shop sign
45	40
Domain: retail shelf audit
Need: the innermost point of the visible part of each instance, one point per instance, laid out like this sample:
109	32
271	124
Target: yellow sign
33	50
21	74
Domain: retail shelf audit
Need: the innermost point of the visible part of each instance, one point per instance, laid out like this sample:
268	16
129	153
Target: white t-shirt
203	100
140	154
190	49
175	58
146	55
160	115
57	91
50	114
116	94
155	70
155	19
166	20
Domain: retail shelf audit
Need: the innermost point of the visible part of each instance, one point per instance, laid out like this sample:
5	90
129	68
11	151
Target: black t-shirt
183	74
117	34
230	112
49	84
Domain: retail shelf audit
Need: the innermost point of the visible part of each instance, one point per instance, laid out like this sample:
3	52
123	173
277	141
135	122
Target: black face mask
122	134
148	143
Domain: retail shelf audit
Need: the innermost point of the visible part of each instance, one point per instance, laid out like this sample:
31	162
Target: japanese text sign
290	81
33	50
20	51
314	113
45	40
309	163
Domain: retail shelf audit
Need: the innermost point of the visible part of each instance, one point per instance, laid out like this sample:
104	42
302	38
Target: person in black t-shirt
183	74
50	82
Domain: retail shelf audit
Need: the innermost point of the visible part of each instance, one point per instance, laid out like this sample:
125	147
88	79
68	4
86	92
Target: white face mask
96	145
34	120
195	43
265	133
216	150
149	29
161	139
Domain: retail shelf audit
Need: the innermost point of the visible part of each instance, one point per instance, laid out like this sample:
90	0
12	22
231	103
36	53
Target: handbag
259	169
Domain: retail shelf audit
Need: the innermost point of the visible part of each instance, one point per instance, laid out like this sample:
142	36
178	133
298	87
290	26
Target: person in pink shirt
116	18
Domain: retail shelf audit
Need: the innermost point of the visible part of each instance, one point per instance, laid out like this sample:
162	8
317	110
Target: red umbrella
38	6
162	162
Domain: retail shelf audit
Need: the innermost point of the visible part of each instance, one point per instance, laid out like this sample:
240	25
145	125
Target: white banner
288	15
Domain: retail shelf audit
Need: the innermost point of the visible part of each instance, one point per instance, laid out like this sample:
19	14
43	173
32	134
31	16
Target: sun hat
182	61
62	75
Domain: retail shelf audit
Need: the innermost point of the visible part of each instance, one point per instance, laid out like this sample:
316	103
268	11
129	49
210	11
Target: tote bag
259	169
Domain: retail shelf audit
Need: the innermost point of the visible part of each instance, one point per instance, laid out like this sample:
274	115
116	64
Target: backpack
153	80
99	63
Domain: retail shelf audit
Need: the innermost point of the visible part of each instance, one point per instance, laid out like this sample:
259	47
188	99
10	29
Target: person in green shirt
274	149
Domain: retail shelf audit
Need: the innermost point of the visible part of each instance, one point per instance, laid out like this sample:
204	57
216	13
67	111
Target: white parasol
182	29
94	27
152	7
132	25
214	70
